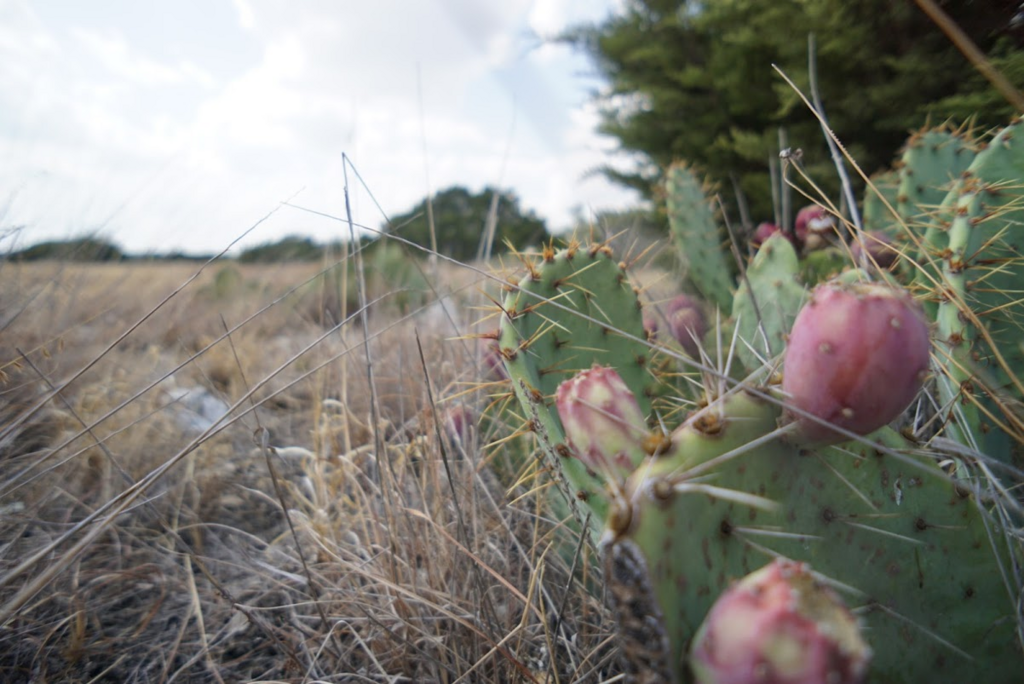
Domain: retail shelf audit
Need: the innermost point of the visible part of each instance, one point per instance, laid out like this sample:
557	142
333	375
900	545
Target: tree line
459	217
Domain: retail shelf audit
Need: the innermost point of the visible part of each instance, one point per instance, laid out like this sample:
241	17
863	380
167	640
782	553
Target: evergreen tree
693	80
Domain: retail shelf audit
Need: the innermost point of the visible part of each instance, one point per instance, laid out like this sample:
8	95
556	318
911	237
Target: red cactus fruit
602	421
812	226
651	327
763	231
877	246
458	420
856	357
779	625
766	230
493	363
686	323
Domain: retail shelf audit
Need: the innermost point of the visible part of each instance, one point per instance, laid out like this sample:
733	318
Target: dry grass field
224	474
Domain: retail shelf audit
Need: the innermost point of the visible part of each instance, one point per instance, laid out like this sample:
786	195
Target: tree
692	80
460	218
77	249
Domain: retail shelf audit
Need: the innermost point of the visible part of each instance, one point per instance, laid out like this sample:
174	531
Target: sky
167	126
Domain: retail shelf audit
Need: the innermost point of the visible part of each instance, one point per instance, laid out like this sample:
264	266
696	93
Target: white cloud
550	17
246	17
102	129
547	17
20	29
24	44
111	49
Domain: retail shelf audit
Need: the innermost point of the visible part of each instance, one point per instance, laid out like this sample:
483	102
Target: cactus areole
779	625
857	356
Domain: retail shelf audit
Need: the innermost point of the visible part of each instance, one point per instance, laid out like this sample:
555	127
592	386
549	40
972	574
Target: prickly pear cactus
911	550
574	308
931	161
986	247
697	236
922	545
978	242
955	334
823	264
876	215
686	323
874	249
767	302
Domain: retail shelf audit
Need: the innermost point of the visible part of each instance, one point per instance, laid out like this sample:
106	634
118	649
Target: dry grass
268	504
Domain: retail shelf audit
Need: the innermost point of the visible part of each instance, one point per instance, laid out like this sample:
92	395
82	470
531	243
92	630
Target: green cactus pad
547	337
980	245
697	235
931	163
932	160
769	303
876	215
913	552
822	265
955	335
994	249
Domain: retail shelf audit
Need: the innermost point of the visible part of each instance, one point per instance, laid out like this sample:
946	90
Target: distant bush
459	220
177	256
291	248
79	249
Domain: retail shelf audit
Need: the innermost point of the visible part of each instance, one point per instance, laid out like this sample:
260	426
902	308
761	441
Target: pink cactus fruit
875	247
493	363
765	230
812	226
651	327
779	625
458	422
686	323
856	357
602	420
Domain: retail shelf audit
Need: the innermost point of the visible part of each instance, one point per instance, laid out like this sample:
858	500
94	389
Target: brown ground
300	539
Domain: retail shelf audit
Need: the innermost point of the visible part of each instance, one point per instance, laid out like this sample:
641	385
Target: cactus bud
651	327
856	357
458	420
493	364
686	323
779	626
763	231
602	421
875	247
812	227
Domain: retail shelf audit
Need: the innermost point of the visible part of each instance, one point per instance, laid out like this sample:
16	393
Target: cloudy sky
177	125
